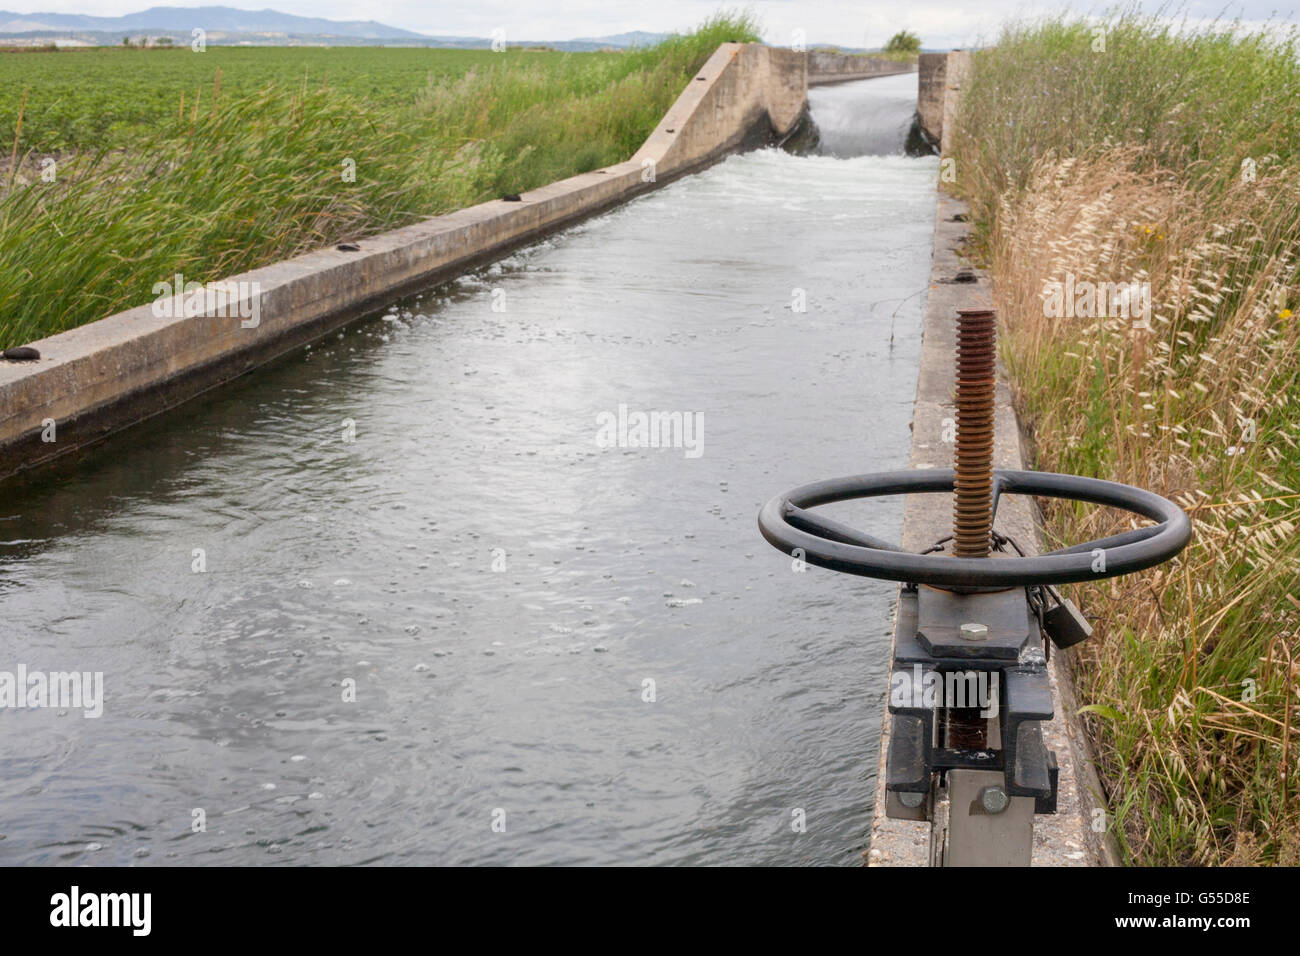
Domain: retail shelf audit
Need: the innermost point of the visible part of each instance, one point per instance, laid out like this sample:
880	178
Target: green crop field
120	168
88	98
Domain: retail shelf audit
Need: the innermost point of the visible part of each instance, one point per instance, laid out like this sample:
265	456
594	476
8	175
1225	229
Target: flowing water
855	122
411	596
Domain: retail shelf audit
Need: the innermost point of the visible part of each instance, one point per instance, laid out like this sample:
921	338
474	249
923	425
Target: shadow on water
357	602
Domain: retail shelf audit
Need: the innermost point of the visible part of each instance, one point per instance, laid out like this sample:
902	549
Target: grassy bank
252	164
1167	158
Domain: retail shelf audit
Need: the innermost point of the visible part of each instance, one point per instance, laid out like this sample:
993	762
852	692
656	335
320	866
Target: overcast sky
939	23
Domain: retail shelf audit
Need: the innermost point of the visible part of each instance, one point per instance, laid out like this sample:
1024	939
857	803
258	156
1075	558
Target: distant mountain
181	20
632	38
580	45
226	25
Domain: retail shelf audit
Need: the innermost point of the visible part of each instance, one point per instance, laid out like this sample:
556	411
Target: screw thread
972	525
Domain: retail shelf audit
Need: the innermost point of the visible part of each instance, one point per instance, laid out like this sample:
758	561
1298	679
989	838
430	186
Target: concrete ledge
827	68
104	376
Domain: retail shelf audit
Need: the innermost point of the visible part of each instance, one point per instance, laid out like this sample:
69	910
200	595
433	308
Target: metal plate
940	614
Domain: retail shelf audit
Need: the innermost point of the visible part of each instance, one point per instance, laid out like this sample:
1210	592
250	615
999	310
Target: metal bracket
967	711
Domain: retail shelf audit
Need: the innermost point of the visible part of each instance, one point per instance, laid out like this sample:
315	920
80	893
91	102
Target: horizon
940	24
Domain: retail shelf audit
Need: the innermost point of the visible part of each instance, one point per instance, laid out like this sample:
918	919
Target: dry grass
1196	664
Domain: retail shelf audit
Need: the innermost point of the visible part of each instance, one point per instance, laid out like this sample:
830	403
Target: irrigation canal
438	510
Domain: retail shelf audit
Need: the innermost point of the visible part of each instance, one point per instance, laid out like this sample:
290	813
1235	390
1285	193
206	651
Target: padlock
1065	624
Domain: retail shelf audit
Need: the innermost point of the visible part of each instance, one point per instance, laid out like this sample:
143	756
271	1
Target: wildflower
1284	314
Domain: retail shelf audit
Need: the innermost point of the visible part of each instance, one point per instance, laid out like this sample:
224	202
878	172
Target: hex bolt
974	632
994	799
910	799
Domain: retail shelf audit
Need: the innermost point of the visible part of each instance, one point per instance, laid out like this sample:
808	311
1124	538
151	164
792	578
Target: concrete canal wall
931	71
825	68
98	378
937	74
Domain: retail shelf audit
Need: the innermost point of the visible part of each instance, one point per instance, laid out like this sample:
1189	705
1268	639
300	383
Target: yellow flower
1284	314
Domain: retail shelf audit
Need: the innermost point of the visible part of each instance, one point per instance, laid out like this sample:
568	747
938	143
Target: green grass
101	96
1127	164
211	164
1198	101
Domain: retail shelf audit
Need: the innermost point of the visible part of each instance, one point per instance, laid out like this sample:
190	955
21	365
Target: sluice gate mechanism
969	686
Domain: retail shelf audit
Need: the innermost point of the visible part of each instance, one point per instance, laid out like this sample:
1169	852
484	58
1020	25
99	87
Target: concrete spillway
441	513
864	119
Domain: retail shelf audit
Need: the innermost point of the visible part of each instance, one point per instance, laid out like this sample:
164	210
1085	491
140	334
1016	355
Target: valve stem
972	511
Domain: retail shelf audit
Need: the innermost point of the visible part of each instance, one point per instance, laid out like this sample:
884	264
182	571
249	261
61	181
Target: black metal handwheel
787	524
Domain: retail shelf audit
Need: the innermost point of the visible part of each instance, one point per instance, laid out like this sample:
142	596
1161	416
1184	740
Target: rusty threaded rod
972	509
